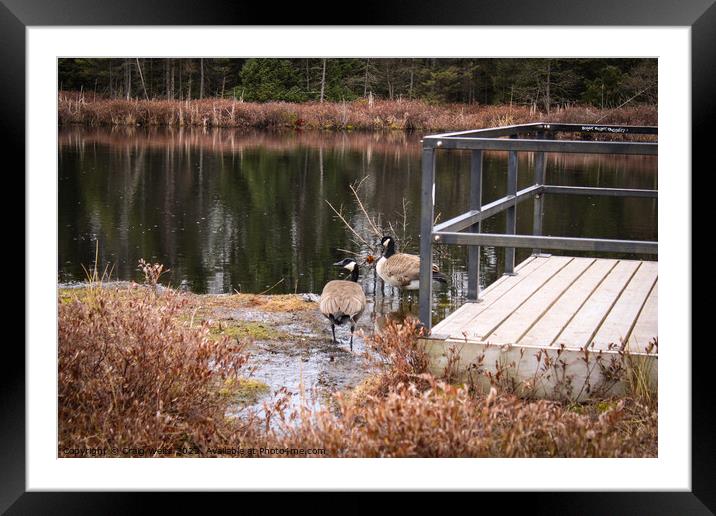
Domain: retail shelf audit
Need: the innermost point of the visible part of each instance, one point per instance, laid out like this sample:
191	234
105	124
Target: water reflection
228	211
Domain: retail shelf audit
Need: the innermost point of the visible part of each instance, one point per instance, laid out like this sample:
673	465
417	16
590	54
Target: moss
577	408
244	390
248	330
67	295
603	406
85	295
598	407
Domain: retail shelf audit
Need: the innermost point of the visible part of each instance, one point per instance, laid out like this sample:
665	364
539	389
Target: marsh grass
405	115
639	373
130	376
152	272
135	374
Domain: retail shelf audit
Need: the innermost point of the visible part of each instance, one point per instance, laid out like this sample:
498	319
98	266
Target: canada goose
343	300
400	269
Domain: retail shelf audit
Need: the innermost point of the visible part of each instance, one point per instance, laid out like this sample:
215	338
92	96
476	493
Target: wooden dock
559	326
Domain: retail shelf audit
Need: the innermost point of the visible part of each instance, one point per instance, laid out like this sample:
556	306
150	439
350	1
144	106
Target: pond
227	210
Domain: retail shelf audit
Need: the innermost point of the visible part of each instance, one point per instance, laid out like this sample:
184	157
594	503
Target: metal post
473	252
539	177
511	216
427	208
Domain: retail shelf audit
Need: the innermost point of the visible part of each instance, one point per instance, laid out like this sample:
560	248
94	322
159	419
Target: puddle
307	365
290	344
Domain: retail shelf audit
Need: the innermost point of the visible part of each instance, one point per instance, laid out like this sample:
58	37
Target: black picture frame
17	15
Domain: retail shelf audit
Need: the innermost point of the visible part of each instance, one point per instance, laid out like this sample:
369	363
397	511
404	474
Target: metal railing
537	138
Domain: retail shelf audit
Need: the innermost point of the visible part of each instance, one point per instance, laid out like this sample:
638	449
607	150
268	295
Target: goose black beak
338	263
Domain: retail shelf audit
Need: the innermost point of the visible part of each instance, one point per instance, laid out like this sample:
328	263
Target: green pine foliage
541	84
264	80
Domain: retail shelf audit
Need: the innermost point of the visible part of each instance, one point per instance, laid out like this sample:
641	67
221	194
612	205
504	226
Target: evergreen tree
539	83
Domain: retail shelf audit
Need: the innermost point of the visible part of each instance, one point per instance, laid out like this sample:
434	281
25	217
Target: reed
405	115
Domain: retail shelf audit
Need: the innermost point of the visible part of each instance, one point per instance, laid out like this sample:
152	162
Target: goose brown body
402	270
342	300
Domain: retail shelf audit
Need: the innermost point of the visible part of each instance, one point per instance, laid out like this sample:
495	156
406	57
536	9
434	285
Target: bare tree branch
345	222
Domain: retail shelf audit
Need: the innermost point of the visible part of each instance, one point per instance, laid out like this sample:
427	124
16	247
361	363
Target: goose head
386	241
346	263
388	244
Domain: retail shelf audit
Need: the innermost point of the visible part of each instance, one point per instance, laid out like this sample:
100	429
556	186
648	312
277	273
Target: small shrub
131	377
447	421
404	358
152	272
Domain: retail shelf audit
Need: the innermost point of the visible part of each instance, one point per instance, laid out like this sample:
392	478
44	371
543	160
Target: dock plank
645	329
453	324
551	324
507	281
580	330
620	320
492	316
537	322
516	325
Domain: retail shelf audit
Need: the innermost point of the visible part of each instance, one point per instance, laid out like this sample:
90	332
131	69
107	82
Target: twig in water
362	208
272	286
347	251
405	216
360	183
345	222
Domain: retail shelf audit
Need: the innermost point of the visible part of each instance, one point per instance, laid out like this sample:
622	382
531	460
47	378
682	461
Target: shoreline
277	330
358	115
235	368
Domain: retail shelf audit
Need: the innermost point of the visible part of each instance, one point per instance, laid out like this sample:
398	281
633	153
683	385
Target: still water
229	211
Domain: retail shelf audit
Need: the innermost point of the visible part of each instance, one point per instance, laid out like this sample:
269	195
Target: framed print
436	238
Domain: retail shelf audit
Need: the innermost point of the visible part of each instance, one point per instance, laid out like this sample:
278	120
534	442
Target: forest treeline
541	84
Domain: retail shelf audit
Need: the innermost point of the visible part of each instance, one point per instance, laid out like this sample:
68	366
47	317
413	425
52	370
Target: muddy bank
290	345
288	341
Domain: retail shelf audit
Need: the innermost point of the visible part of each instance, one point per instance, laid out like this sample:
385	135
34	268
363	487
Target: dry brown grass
406	412
448	421
130	376
208	303
135	375
404	360
381	115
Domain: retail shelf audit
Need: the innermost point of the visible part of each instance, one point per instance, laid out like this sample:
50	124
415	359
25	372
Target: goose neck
389	250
